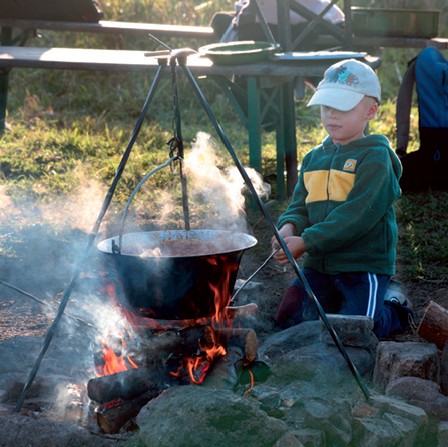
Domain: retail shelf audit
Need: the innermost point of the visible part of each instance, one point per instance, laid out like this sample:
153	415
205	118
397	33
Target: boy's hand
286	231
296	246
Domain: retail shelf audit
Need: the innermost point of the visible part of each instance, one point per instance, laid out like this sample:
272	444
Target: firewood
184	341
111	418
241	311
434	325
196	336
241	337
142	324
125	385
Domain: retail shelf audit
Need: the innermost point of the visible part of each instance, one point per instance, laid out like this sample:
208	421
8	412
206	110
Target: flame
222	295
197	366
113	361
194	367
202	364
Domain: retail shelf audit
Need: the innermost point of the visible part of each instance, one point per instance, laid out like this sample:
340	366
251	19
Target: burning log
113	416
182	341
240	337
156	350
125	385
434	325
181	356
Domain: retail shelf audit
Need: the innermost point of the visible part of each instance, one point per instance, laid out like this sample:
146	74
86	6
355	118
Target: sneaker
395	293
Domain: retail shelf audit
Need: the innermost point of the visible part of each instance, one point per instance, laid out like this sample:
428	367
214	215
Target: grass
70	126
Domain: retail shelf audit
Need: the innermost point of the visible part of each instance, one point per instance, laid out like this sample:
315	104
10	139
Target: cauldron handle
116	248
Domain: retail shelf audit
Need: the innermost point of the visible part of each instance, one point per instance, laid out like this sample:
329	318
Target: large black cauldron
177	274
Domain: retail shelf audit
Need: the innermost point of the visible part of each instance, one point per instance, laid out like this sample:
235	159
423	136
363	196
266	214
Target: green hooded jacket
342	206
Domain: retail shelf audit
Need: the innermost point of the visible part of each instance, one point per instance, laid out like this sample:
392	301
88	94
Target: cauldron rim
241	242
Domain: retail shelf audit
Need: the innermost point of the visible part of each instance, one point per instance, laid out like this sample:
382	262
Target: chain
175	144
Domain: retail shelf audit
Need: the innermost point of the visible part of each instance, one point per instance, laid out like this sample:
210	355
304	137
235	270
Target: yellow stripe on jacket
328	185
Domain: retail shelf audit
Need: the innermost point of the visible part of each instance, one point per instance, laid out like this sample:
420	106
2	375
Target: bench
112	27
28	28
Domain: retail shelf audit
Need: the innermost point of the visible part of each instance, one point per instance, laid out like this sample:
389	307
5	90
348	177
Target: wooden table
280	72
260	101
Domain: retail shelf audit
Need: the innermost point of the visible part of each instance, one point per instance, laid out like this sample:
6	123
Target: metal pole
275	231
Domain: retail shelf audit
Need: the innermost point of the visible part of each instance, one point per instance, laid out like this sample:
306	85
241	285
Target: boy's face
344	127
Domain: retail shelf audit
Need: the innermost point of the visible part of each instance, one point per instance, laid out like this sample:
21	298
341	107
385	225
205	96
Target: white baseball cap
345	84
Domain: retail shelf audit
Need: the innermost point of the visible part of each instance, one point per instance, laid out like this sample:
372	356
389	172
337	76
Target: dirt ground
40	261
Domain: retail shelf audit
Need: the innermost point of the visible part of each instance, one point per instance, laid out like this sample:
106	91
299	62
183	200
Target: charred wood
223	374
186	341
113	416
126	385
241	337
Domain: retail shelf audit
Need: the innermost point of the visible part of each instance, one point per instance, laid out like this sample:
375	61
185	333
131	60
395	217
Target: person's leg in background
296	306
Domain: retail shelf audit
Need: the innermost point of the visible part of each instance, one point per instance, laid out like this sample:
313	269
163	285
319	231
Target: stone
442	435
363	410
444	369
330	416
311	437
289	440
388	404
407	429
413	388
296	336
420	392
374	432
398	359
352	330
193	415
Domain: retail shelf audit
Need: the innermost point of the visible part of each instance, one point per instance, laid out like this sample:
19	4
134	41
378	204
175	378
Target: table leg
254	122
290	140
5	39
4	75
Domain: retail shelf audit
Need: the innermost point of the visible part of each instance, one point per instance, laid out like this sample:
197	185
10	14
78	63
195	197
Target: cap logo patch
342	75
350	165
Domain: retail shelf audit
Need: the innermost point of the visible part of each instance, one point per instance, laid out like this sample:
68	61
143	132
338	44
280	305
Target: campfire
173	290
149	354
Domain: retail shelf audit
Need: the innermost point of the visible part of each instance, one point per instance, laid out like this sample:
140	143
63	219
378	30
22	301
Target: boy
341	214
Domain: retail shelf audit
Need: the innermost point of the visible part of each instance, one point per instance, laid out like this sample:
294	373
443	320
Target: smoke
78	210
219	191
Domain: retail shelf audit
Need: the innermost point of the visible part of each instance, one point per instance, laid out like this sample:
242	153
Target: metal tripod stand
178	59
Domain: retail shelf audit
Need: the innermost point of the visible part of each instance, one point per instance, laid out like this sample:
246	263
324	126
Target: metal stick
136	190
160	42
248	280
74	317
